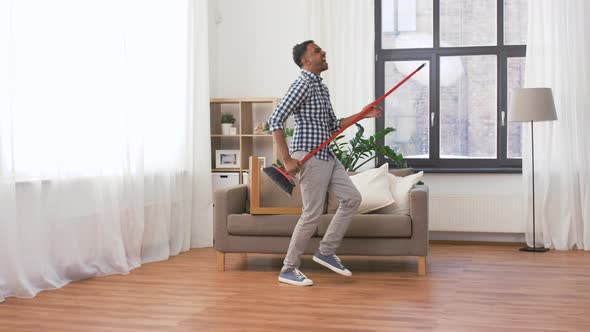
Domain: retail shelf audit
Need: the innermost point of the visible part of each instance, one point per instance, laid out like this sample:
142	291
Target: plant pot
226	128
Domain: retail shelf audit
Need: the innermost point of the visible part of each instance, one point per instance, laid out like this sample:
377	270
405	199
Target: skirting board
476	237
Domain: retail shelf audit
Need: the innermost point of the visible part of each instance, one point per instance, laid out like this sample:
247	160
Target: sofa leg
244	257
422	265
220	261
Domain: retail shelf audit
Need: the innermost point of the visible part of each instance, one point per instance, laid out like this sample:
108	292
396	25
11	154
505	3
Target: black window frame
434	164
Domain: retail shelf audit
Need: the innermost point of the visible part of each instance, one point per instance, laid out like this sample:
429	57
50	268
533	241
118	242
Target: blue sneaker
332	262
294	277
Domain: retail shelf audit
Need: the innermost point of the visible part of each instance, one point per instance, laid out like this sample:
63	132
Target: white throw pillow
373	185
400	190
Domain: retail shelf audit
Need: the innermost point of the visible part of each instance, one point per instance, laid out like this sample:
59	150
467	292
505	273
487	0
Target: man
309	101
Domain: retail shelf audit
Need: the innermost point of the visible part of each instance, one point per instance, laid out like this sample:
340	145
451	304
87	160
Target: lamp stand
534	248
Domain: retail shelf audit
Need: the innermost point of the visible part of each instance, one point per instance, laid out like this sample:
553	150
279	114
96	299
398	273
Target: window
452	115
112	91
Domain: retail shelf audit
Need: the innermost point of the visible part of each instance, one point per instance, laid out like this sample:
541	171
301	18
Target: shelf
249	112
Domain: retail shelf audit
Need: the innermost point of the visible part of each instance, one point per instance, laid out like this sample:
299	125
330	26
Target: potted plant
227	121
289	132
352	153
360	150
266	128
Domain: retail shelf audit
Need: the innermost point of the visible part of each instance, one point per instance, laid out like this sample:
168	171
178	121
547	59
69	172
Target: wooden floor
467	288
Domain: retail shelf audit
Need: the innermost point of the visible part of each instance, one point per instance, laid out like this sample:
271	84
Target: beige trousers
316	178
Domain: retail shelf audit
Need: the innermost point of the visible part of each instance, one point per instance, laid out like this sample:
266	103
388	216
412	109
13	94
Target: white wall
250	56
252	44
213	33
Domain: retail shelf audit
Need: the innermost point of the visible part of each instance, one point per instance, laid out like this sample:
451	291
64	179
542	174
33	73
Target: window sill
502	170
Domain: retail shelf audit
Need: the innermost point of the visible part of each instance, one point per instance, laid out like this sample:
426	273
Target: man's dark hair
299	51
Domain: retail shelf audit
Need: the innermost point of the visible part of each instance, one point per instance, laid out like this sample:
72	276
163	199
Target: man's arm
341	123
291	165
376	112
292	100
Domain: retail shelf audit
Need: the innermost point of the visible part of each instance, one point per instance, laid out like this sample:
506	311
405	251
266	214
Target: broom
286	182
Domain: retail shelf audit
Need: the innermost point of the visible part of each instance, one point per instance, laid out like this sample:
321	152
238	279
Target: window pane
406	24
467	23
407	109
88	120
468	111
515	22
515	80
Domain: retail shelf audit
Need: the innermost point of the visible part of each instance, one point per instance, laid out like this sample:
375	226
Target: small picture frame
227	158
261	162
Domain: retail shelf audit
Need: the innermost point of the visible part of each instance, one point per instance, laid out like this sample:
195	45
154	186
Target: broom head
281	178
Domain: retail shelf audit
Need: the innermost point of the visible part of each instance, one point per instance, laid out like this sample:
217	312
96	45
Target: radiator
476	213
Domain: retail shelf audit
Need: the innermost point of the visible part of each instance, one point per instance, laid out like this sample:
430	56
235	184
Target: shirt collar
311	75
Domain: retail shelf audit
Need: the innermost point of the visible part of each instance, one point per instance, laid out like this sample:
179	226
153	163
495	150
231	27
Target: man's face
314	59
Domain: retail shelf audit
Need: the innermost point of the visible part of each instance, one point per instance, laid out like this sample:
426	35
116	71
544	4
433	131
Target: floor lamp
532	105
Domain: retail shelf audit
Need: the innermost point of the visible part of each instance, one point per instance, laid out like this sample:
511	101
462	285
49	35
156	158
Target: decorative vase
226	128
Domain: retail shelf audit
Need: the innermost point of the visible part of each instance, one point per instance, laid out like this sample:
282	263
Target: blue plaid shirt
308	100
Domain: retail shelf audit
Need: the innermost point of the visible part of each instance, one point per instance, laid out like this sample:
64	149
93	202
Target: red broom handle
360	115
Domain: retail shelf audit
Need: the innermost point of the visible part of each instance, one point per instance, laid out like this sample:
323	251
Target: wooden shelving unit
248	112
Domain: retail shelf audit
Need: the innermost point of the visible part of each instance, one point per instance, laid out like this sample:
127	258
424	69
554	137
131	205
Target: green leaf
360	149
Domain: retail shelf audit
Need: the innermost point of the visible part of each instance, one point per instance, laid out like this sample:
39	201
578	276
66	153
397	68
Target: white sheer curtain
345	29
101	164
558	50
202	228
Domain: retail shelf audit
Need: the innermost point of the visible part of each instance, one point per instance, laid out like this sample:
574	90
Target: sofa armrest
419	214
230	200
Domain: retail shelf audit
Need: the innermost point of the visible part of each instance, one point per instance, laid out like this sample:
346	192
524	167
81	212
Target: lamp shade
532	104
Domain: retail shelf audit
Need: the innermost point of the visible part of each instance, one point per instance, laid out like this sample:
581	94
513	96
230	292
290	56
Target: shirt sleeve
335	126
292	100
334	121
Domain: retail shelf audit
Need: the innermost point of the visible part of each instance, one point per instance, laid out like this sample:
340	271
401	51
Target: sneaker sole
295	283
345	273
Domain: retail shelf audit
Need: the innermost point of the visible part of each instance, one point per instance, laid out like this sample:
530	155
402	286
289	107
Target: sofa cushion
373	185
400	190
366	225
401	171
261	225
272	195
372	225
395	171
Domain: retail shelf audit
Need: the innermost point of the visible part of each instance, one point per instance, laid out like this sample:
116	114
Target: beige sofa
236	231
